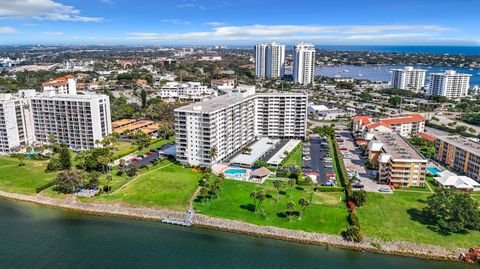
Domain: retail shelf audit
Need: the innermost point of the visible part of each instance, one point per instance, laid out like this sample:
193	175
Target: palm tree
260	197
291	182
253	195
303	204
212	153
290	207
278	185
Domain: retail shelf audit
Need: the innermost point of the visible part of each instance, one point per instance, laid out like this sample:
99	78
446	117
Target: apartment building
222	125
14	119
460	154
269	60
29	118
398	163
405	125
61	85
304	63
408	78
449	84
189	91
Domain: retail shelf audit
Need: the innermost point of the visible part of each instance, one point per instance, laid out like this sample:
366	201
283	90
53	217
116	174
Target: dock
187	221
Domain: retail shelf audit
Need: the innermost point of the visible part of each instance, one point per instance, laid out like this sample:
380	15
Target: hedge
329	189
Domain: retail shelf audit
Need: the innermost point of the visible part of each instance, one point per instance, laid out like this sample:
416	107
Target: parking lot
355	162
317	161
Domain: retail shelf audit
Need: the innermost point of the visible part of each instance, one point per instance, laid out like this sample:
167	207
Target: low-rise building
322	112
398	163
61	85
189	91
405	125
460	154
448	179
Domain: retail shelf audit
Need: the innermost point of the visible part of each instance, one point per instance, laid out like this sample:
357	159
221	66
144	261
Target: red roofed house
404	125
61	85
429	137
222	82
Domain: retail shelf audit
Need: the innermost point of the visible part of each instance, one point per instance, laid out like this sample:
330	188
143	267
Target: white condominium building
269	60
190	91
61	85
304	63
408	78
260	60
222	125
29	118
449	84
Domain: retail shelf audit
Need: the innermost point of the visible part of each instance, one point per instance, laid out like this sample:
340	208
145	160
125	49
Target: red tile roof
401	120
428	137
365	119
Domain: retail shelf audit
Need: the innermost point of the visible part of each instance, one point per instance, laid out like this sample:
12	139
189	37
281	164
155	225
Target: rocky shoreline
369	244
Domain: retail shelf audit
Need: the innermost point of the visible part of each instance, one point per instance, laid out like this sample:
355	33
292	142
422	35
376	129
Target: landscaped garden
326	212
294	158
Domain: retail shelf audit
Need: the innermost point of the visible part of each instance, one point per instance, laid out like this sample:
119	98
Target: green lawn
123	148
168	187
396	217
295	158
23	179
156	144
327	214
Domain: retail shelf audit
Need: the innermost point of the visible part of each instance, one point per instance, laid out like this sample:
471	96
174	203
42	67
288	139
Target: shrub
353	220
359	197
352	233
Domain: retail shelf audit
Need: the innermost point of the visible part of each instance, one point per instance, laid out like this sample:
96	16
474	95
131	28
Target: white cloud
215	23
42	10
185	5
298	32
53	33
7	30
176	21
107	1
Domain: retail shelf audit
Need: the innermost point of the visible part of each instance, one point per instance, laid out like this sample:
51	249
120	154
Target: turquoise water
37	237
433	170
235	171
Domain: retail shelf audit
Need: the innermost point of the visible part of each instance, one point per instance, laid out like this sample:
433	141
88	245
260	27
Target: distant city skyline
242	22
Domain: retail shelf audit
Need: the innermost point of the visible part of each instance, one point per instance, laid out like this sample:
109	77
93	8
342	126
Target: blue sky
240	22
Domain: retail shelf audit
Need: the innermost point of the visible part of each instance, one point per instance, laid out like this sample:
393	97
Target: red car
343	149
148	153
329	175
134	159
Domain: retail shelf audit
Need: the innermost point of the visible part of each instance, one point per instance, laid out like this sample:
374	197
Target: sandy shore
369	244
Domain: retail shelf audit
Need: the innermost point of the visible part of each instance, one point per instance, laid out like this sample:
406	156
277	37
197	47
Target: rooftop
396	146
258	149
463	143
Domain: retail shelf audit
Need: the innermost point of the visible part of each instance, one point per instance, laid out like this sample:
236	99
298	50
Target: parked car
358	186
384	189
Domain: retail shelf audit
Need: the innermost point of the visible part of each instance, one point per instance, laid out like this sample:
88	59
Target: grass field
327	214
397	217
167	187
295	159
23	179
123	148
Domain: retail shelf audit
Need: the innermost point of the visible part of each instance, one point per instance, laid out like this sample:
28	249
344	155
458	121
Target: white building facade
61	85
29	118
304	63
269	61
408	78
214	130
449	84
190	91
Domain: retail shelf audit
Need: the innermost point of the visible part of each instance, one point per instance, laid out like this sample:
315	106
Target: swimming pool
433	171
235	171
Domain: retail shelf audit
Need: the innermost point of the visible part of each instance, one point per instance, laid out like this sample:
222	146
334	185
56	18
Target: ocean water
465	50
381	73
37	237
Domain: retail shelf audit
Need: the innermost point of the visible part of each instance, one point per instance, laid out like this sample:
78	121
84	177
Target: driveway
357	161
317	156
